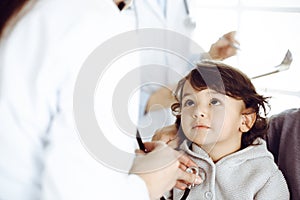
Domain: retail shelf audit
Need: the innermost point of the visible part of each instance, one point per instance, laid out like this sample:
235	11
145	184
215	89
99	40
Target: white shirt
41	154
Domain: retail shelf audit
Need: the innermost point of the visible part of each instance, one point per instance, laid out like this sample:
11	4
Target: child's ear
248	119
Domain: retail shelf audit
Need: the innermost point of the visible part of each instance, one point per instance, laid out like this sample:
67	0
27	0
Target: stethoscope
189	21
195	170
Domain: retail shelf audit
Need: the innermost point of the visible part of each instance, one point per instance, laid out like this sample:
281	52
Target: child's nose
198	113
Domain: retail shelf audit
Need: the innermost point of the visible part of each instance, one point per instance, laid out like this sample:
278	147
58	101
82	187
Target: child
220	115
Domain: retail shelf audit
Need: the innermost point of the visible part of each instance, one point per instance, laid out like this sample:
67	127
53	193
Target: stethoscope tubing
186	7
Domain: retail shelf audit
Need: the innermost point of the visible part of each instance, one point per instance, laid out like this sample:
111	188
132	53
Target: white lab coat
148	14
41	156
174	19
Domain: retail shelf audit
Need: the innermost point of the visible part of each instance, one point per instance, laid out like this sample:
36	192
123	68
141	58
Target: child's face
211	119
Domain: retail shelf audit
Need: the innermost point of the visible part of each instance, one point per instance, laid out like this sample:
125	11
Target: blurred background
266	29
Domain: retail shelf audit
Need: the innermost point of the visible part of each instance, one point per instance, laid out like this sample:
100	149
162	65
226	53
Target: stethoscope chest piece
189	22
195	170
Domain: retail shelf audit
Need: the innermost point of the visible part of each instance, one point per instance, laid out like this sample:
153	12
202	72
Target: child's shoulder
259	159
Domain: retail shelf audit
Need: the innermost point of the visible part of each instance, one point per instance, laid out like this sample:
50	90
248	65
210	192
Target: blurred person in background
174	15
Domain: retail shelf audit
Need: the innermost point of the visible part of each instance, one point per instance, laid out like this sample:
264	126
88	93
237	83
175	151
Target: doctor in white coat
41	156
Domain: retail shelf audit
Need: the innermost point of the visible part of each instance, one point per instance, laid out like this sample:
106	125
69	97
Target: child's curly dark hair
231	82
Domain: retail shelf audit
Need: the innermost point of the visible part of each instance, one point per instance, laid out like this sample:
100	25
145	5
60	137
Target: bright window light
266	30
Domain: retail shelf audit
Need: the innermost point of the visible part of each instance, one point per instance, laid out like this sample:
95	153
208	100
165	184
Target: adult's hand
162	168
225	47
167	135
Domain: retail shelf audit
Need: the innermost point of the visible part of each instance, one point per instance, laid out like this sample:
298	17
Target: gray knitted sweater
247	174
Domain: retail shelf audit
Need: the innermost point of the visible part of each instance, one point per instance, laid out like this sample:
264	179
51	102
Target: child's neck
221	150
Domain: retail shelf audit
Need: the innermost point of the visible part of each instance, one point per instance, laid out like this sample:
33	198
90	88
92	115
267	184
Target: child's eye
215	102
189	103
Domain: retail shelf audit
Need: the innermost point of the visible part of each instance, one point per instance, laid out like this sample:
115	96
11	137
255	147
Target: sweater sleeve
275	188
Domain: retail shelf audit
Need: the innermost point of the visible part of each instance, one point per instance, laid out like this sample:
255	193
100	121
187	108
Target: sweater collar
258	149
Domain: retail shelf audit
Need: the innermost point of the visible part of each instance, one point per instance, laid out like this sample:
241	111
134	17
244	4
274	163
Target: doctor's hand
167	135
225	47
162	168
